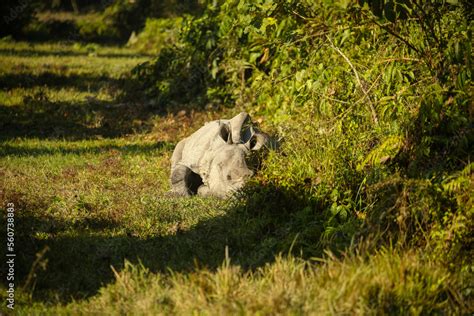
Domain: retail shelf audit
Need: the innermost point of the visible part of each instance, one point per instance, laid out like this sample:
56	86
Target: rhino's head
213	161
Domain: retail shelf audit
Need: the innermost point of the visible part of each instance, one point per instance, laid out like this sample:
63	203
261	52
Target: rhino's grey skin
212	160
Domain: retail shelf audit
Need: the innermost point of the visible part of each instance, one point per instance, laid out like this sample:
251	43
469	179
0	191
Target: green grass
91	201
347	217
55	72
385	283
66	89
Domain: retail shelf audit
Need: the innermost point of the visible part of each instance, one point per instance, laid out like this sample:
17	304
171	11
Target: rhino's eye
229	177
253	142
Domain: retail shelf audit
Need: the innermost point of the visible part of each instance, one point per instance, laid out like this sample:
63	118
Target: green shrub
359	100
125	17
372	104
157	34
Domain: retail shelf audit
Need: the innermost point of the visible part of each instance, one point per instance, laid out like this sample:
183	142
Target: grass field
324	229
90	199
88	175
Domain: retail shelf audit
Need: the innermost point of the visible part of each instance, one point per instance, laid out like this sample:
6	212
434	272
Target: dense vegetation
111	21
365	207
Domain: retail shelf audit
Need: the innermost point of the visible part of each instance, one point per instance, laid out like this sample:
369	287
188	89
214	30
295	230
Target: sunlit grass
17	96
321	230
68	72
385	283
22	48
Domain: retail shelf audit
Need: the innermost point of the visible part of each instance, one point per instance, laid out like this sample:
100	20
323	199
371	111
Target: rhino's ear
236	124
225	133
257	141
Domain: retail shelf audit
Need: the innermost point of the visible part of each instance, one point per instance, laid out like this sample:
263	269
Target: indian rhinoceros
212	161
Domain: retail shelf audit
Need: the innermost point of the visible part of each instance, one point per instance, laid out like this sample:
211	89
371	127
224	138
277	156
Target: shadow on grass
54	30
64	120
40	53
82	82
26	151
39	117
263	222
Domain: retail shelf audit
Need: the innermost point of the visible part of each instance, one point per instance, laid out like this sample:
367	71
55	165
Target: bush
157	34
359	99
125	16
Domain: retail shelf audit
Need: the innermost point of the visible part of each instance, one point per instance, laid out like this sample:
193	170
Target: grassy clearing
87	202
65	90
90	200
54	72
365	209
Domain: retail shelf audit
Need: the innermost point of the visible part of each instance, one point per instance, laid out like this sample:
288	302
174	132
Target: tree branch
371	105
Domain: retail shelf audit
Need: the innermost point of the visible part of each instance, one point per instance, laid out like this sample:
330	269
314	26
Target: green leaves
382	153
361	99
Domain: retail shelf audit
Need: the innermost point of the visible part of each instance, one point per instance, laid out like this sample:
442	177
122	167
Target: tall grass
365	207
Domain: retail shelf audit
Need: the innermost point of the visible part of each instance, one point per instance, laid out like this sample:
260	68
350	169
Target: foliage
157	34
366	208
374	107
125	16
292	61
101	21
